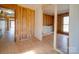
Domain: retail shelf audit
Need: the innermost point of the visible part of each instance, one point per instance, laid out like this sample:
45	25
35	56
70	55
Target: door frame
11	6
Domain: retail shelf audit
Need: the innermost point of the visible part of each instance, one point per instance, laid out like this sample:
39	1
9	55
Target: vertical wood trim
21	23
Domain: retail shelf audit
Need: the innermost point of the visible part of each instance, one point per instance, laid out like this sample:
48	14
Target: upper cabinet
48	20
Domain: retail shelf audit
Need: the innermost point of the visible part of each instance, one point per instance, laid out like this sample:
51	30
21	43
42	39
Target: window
66	24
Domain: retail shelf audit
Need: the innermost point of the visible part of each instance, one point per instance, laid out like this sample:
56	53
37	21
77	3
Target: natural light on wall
66	24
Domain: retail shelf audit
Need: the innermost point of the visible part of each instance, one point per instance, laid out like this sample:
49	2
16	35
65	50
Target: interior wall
74	29
25	25
38	22
60	22
38	18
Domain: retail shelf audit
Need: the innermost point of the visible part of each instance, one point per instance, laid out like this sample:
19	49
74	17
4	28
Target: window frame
65	24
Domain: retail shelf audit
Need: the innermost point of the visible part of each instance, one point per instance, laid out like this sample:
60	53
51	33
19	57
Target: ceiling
49	8
61	8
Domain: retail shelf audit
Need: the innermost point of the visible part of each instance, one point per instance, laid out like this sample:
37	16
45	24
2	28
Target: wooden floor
30	46
33	45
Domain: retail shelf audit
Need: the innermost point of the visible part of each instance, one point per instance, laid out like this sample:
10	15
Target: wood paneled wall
60	22
25	22
48	20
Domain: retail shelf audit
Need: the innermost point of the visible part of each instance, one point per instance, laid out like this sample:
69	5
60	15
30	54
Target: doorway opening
7	24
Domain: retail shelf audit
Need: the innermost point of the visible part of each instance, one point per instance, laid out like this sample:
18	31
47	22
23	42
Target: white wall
38	22
74	29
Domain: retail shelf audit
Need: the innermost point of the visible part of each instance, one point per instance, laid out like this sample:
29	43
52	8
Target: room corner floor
31	46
